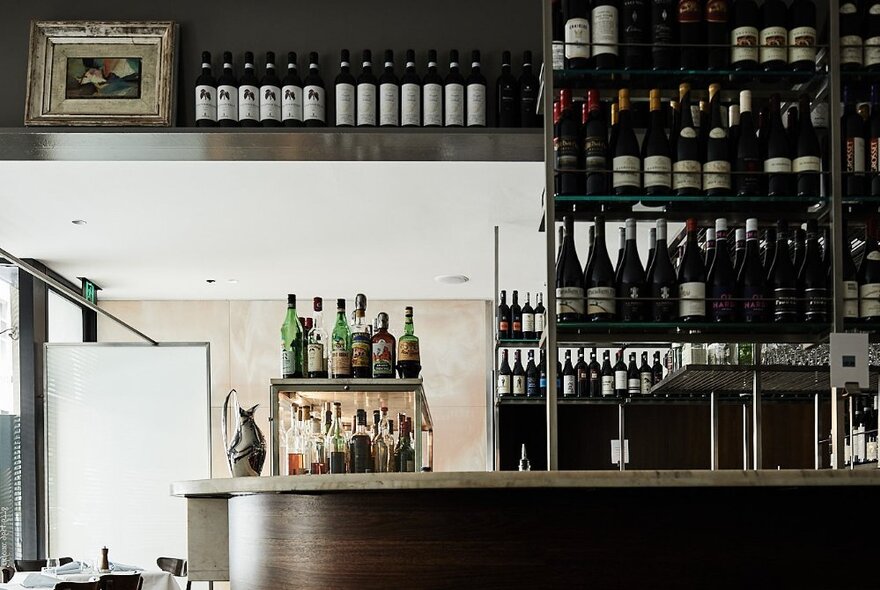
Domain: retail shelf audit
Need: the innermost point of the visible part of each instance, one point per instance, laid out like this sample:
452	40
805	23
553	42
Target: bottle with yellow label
409	363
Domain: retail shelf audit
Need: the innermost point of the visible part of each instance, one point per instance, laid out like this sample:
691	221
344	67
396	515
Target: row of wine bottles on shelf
365	101
521	322
326	444
352	350
744	157
686	34
861	443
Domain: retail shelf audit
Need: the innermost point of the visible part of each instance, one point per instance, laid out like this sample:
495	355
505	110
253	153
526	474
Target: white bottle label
558	56
686	175
605	30
858	154
646	383
633	386
433	105
389	104
314	106
345	105
570	300
476	105
806	164
227	103
528	322
286	362
773	44
850	299
626	171
872	51
600	300
607	386
869	300
248	103
519	385
569	386
206	103
802	44
366	104
454	98
315	355
410	105
716	175
577	38
503	384
658	171
291	103
777	165
620	380
692	299
744	44
539	322
270	103
851	49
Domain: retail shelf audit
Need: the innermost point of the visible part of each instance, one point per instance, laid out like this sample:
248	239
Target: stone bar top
224	488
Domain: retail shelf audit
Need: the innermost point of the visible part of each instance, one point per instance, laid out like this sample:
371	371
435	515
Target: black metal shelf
574	335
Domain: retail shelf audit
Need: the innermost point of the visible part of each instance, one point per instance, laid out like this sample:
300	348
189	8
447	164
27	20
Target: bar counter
721	529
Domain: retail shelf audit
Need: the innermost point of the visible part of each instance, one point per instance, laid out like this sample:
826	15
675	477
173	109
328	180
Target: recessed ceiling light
232	281
451	279
79	222
210	281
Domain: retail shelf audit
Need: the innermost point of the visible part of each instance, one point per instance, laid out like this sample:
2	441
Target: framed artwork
101	73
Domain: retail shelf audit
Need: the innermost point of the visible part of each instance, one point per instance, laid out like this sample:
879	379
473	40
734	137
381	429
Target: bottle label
664	310
631	307
227	103
519	385
607	386
570	300
410	105
408	350
539	322
532	386
433	105
577	38
503	384
658	171
716	175
777	165
802	44
816	304
633	386
851	49
872	49
806	164
869	300
315	356
855	154
874	154
389	104
785	303
626	171
558	55
206	103
476	105
292	103
314	107
454	97
517	325
595	149
270	103
723	306
345	105
528	322
600	300
773	44
248	103
503	327
361	350
569	386
692	299
850	299
287	363
366	104
620	380
744	44
686	175
340	359
605	30
647	381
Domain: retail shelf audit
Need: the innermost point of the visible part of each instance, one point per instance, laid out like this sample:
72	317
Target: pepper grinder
104	563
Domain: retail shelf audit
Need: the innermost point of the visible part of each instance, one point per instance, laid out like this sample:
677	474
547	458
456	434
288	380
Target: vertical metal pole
837	426
852	429
746	437
817	450
621	435
834	112
756	410
713	409
493	462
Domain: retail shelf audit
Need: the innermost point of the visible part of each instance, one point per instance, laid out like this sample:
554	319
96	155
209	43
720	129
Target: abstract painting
103	77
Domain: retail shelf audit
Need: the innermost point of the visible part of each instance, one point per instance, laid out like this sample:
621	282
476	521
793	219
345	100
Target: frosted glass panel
123	422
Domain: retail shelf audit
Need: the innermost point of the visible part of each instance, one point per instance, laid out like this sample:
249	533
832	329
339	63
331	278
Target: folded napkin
74	567
121	567
39	581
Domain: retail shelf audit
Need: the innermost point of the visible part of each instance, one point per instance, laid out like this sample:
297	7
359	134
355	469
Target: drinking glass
52	565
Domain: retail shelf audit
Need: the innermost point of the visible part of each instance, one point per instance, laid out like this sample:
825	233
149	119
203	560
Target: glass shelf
790	74
578	333
663	199
517	343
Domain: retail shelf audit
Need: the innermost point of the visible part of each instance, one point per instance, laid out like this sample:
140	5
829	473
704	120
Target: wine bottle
518	376
664	283
389	94
692	279
532	377
721	280
476	94
558	34
626	163
453	90
599	283
314	102
542	375
528	94
813	279
751	282
227	94
869	276
656	369
674	126
703	128
800	246
604	34
612	136
345	92
716	17
851	40
528	320
792	128
595	377
582	376
595	147
569	377
808	156
652	251
873	147
633	377
577	33
690	35
270	94
710	248
507	96
748	151
248	94
505	376
620	248
716	169
871	54
802	35
432	93
620	375
206	95
291	95
854	152
516	331
607	376
732	133
740	250
658	156
849	277
366	92
410	93
777	164
663	34
773	38
686	170
782	279
769	250
566	147
635	28
503	317
630	279
646	376
539	316
744	51
569	280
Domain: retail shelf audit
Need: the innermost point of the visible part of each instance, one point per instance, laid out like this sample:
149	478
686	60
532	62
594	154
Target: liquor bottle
503	317
663	37
594	373
633	377
539	316
389	440
577	33
361	341
340	345
569	377
476	94
687	166
744	51
405	457
314	102
569	280
507	96
869	276
808	157
361	445
566	147
505	375
206	95
528	94
748	151
528	320
270	94
851	40
710	249
630	279
518	381
336	443
316	449
295	453
582	376
532	377
599	283
773	38
721	281
345	92
853	152
620	374
558	34
367	86
604	34
800	245
389	94
410	93
646	376
516	330
751	281
432	93
291	95
782	279
542	375
409	363
227	94
626	164
778	161
664	283
802	35
379	446
690	35
635	28
383	349
850	278
248	94
317	343
813	278
658	156
769	250
656	369
717	36
716	169
595	146
692	279
607	376
291	342
453	90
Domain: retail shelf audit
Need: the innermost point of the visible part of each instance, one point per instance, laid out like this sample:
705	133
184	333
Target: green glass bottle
409	363
336	444
291	343
405	457
340	351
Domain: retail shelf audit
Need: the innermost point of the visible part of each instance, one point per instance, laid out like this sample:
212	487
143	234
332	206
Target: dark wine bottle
542	375
633	379
782	279
575	13
732	133
453	93
411	92
582	373
692	279
612	136
813	279
608	375
686	170
869	276
367	92
631	279
800	246
249	94
599	283
802	35
716	167
540	316
314	101
569	377
528	320
777	164
432	93
657	369
808	156
717	36
657	154
291	95
674	126
595	376
652	251
690	35
476	93
270	94
635	28
792	128
744	24
591	243
569	280
874	140
503	386
721	281
646	376
345	92
566	147
206	95
739	250
769	250
748	152
528	94
518	382
871	54
604	34
851	40
710	249
507	96
620	374
773	37
503	317
533	380
627	164
621	247
664	283
516	331
663	34
752	282
595	147
227	94
853	152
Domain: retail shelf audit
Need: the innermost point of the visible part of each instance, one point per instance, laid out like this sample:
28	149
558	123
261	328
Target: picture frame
101	73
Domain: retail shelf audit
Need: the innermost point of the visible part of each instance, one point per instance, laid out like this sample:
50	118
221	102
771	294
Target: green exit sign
90	291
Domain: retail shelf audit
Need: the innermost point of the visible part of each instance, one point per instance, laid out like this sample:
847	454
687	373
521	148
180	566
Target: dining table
153	580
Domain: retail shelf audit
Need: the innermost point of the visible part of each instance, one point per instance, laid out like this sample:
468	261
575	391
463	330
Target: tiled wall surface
244	339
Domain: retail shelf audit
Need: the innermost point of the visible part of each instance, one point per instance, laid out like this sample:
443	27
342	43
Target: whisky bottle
291	342
405	457
336	443
361	446
361	341
409	363
380	448
383	349
317	345
316	449
294	444
340	355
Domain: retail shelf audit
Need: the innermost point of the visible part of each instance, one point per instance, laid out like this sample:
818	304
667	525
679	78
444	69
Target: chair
77	586
35	565
6	573
121	582
177	567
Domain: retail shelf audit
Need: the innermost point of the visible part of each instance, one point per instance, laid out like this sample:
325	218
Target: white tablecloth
152	580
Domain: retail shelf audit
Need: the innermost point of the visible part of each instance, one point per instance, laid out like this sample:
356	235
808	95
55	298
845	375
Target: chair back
173	565
121	582
35	565
6	573
77	586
